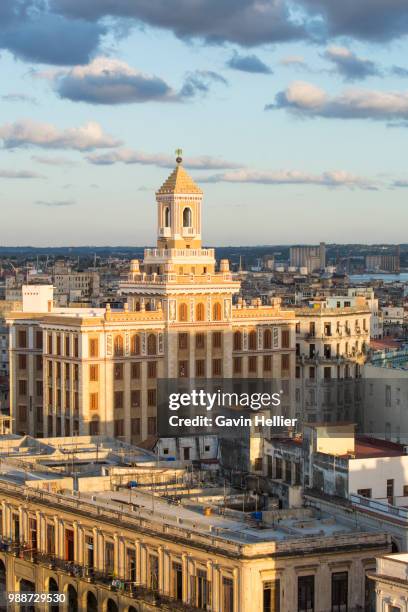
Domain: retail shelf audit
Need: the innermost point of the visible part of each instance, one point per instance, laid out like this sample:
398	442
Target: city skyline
293	125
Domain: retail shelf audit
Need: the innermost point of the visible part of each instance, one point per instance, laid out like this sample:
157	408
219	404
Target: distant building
382	263
311	257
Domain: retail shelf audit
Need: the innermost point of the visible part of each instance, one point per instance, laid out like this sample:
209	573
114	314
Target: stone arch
267	339
71	595
167	217
91	602
183	312
151	344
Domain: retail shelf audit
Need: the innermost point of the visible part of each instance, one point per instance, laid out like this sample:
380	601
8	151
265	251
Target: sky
292	117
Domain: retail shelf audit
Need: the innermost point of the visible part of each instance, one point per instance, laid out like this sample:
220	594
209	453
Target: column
138	577
161	569
184	561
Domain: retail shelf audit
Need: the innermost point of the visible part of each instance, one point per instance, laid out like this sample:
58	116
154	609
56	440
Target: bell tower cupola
179	210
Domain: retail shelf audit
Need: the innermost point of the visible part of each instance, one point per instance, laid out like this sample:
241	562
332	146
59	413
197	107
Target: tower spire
179	153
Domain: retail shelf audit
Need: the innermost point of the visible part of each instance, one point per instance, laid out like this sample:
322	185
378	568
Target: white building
391	581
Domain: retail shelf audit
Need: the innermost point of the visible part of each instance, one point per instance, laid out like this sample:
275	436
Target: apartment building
78	370
178	545
312	258
391	584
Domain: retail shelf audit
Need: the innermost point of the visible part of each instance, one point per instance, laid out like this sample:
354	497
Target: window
135	398
109	557
183	369
94	426
327	373
390	490
252	343
200	590
50	539
118	346
267	339
93	347
135	426
22	413
76	347
227	595
22	387
217	367
151	426
118	371
183	312
67	345
39	340
38	362
119	428
200	312
187	217
58	351
93	372
306	594
135	370
200	368
388	396
93	401
285	338
200	341
167	217
312	329
364	492
177	581
339	591
151	397
327	329
118	399
285	363
22	362
22	338
252	364
39	388
271	596
151	344
49	343
183	340
151	369
135	344
217	312
258	465
217	339
267	361
237	365
237	341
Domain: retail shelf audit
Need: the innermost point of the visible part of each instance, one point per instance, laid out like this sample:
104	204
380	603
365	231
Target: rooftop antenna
179	153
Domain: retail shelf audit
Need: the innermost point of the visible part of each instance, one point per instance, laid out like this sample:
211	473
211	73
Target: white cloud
337	178
19	174
27	133
305	99
130	156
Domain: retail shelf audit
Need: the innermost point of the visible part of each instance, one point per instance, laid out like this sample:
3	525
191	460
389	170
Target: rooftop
179	182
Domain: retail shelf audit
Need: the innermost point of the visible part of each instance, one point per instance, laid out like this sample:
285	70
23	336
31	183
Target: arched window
267	339
167	217
151	344
118	346
217	312
200	312
187	217
183	312
135	344
252	340
237	341
94	426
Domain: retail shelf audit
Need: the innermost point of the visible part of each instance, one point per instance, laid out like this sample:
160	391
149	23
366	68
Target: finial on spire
179	153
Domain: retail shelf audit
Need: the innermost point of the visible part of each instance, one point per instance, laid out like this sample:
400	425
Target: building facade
96	370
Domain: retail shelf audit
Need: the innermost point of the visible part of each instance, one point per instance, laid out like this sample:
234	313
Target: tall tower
179	211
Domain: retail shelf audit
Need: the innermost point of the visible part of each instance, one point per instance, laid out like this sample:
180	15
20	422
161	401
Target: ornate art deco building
96	370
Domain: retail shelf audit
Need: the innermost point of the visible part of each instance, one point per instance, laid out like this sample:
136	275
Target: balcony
188	231
165	232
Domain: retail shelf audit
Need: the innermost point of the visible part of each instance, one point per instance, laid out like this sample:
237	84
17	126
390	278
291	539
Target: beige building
96	370
171	542
391	583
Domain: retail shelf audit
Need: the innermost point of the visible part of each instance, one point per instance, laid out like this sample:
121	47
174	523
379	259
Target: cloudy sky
292	115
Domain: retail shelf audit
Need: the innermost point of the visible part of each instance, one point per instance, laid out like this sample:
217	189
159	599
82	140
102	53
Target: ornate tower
179	211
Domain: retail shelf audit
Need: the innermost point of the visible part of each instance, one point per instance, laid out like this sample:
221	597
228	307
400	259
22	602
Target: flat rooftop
366	447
